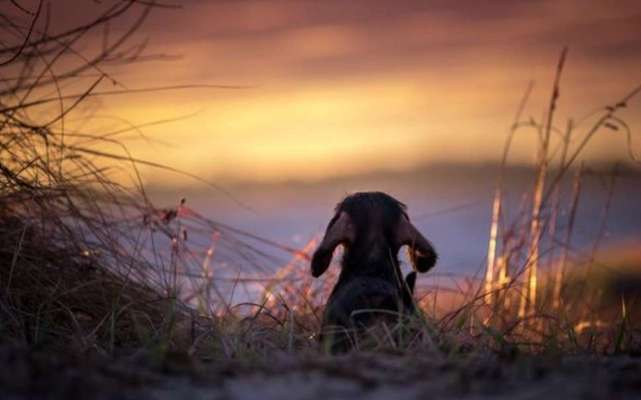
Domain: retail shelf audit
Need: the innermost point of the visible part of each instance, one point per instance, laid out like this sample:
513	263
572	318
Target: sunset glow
330	89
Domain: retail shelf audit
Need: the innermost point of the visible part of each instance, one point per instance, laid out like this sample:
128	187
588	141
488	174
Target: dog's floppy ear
340	230
421	252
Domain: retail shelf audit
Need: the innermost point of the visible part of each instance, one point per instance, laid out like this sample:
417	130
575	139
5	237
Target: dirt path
37	375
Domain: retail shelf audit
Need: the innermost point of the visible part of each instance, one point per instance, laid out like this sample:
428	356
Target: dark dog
372	227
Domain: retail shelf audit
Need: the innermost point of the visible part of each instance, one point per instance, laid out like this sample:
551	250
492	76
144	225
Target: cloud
339	86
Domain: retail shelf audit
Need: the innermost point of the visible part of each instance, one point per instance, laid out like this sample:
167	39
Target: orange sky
340	87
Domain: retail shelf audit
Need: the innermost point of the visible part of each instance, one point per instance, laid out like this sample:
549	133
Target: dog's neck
367	264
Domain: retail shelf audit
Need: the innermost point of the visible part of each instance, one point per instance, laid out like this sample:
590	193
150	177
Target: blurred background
321	99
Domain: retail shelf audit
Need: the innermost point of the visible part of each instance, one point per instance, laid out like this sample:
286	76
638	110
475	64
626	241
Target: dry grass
544	312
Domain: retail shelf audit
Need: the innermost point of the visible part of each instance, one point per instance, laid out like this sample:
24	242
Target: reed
520	267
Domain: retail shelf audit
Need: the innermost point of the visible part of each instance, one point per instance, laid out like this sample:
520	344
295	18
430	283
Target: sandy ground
28	374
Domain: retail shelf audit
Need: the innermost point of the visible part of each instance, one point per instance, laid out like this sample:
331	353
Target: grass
538	238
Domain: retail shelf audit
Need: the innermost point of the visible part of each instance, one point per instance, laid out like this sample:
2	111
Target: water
450	206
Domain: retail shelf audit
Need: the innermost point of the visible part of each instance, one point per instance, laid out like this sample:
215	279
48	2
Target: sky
331	88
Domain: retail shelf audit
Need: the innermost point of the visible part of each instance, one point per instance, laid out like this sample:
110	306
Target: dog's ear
421	252
340	230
